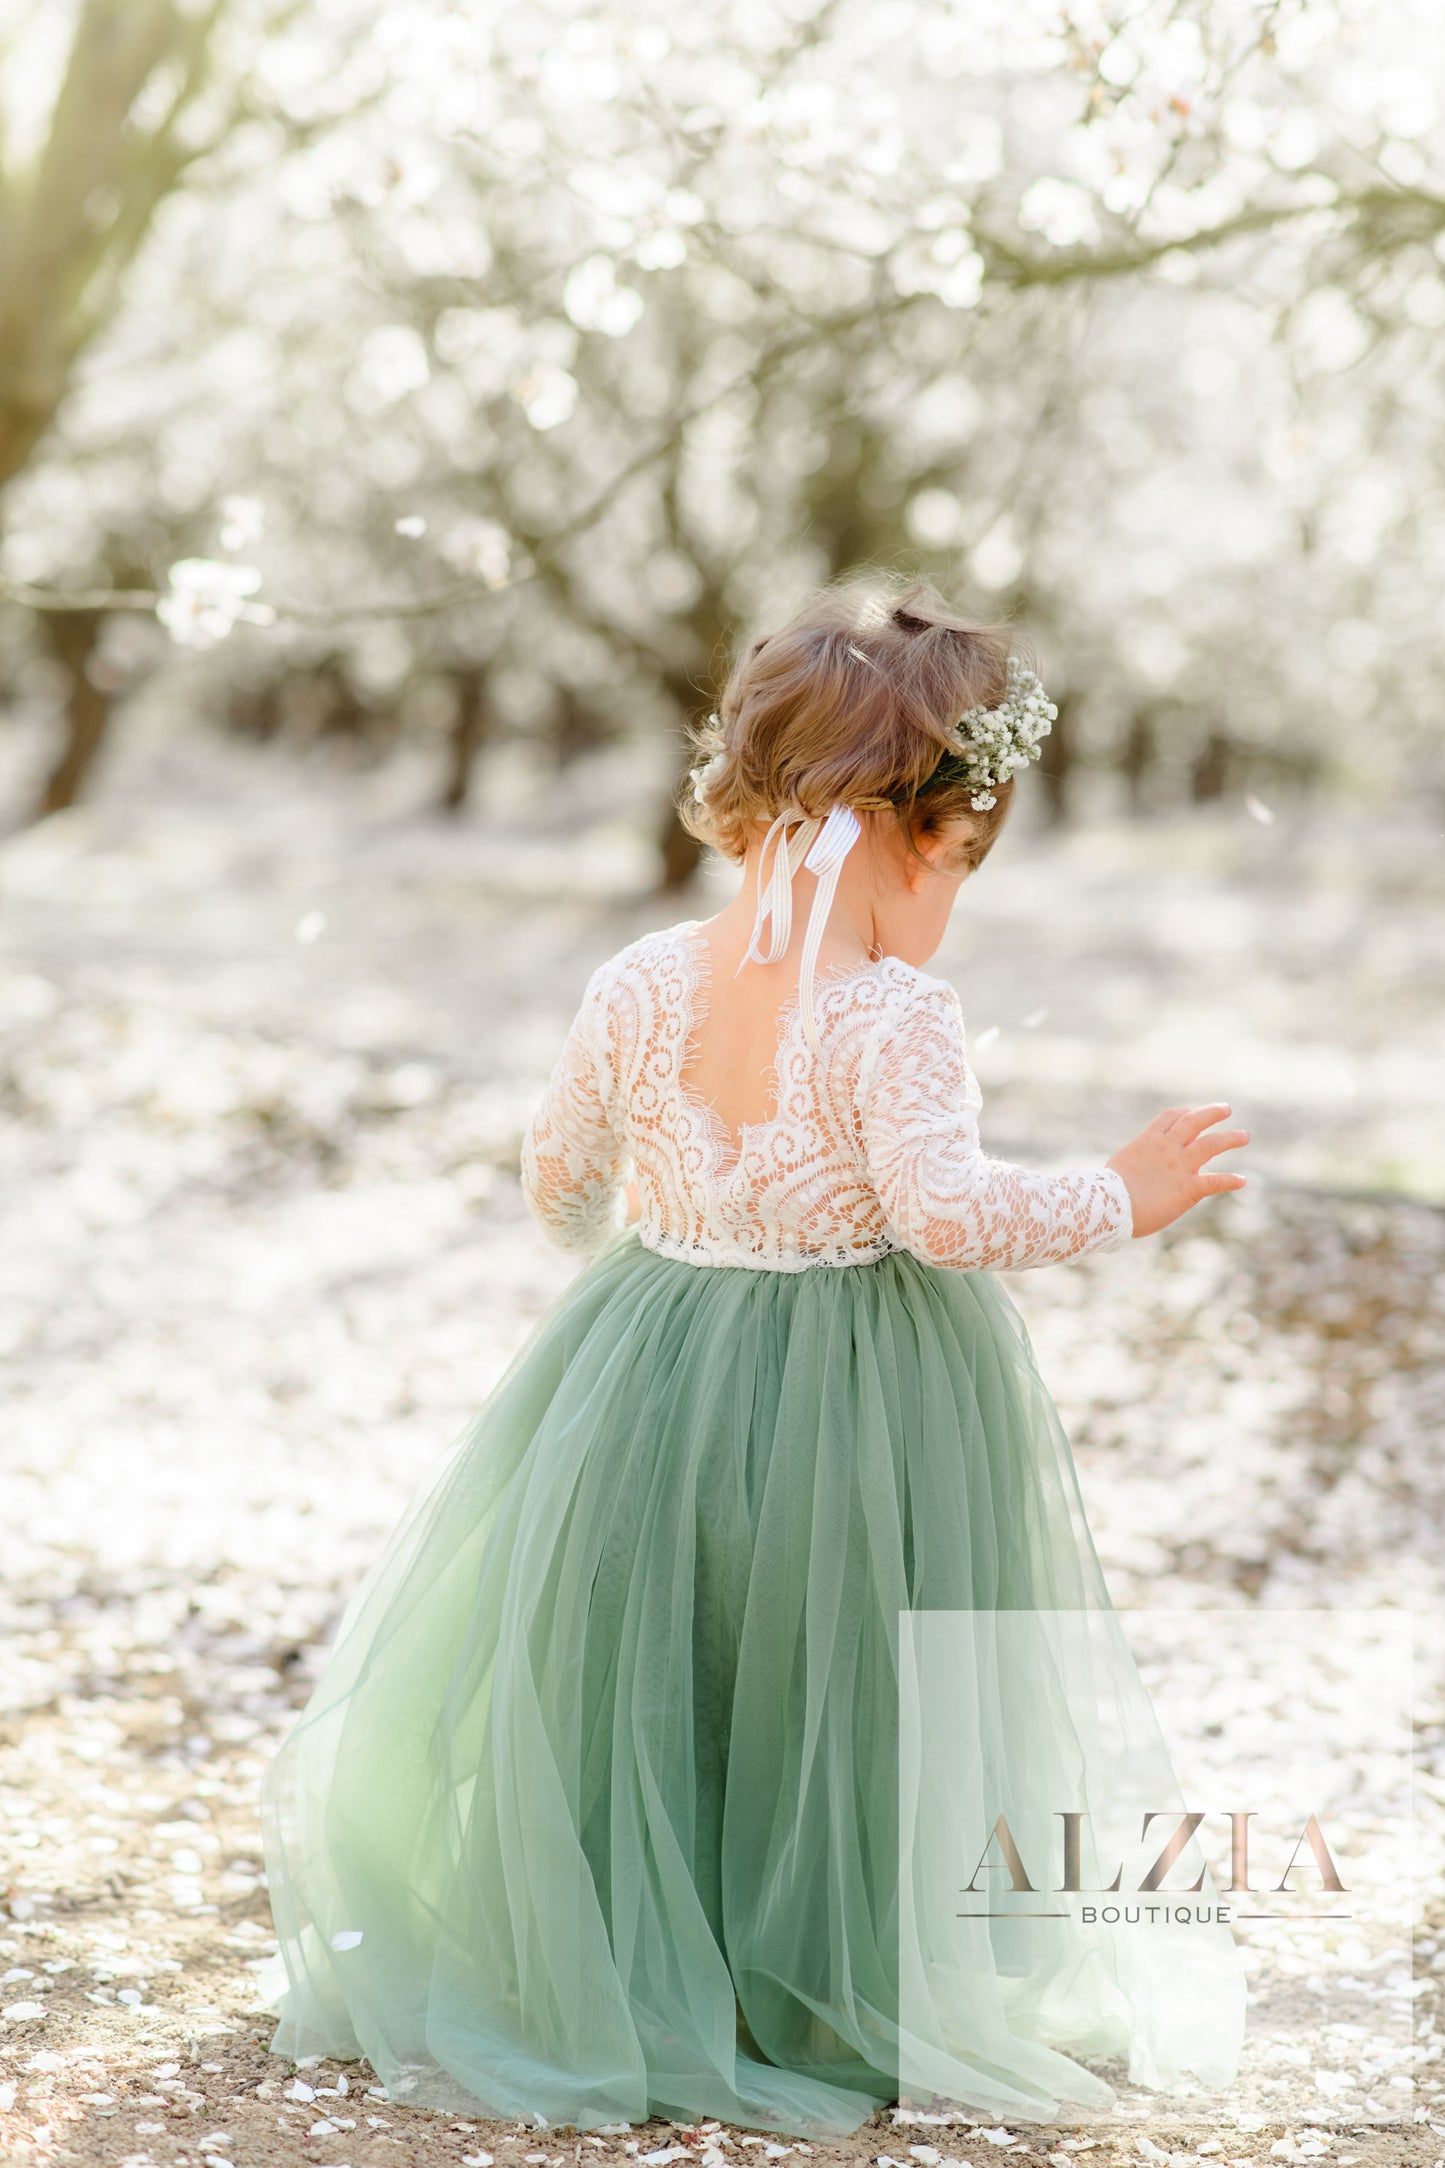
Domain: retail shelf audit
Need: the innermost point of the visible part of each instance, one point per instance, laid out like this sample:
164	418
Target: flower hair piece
706	771
991	744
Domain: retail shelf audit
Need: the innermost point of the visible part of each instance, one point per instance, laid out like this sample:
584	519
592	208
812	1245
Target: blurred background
401	410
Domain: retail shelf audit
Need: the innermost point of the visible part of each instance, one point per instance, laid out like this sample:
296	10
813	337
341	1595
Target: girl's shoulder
915	1025
662	947
657	963
898	990
910	982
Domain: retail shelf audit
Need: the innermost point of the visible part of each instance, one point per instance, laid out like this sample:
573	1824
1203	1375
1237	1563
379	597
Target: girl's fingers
1211	1185
1167	1119
1228	1140
1198	1119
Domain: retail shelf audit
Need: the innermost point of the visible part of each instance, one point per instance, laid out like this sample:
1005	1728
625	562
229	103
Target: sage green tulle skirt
594	1812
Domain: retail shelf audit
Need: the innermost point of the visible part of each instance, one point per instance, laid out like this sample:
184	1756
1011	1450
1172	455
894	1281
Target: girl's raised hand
1162	1165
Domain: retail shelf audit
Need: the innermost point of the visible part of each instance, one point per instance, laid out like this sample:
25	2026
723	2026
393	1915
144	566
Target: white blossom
595	302
547	395
208	599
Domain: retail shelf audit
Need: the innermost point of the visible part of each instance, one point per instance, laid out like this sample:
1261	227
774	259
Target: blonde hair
851	701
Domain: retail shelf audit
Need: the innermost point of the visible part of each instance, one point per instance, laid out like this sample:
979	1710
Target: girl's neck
849	938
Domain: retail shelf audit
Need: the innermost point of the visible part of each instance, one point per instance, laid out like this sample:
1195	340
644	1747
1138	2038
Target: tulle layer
594	1813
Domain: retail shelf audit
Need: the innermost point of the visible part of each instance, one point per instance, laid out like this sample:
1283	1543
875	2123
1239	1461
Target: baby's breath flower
991	744
706	771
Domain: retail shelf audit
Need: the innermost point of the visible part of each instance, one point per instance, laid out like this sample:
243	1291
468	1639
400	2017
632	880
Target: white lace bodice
873	1145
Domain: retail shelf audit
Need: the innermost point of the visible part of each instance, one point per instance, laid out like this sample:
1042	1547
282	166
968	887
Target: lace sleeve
572	1157
944	1198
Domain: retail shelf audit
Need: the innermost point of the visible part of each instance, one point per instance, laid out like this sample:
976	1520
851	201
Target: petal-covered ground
267	1042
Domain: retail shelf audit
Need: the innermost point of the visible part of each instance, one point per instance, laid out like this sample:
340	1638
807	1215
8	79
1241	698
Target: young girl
594	1813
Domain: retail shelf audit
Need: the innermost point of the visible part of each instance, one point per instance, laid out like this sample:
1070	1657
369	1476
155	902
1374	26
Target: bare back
732	1051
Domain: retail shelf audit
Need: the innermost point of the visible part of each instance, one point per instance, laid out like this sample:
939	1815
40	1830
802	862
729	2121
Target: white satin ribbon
821	846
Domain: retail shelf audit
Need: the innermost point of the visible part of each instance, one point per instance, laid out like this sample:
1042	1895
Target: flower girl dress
594	1812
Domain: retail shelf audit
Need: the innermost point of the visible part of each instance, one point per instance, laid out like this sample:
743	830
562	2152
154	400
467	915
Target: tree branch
1009	266
541	556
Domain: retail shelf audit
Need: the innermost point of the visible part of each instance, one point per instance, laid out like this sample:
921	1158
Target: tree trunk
60	271
470	728
1210	775
73	636
1136	760
681	854
577	728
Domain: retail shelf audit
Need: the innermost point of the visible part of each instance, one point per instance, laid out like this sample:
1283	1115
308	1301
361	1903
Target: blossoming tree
524	351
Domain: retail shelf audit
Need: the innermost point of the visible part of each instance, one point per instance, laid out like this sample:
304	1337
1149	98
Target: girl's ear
951	846
917	872
929	855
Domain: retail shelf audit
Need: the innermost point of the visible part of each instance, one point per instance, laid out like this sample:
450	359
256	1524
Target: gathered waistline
687	1253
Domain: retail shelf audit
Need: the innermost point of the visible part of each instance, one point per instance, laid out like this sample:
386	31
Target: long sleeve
572	1157
944	1198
